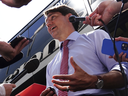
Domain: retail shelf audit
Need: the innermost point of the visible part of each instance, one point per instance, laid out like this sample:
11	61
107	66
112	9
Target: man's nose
48	23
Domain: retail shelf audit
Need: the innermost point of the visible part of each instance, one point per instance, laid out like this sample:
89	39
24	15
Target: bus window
35	26
78	5
25	34
91	1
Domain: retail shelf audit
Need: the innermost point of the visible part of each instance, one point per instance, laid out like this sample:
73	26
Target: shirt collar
73	36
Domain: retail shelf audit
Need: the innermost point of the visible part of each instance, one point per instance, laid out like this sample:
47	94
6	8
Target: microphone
74	19
29	67
123	1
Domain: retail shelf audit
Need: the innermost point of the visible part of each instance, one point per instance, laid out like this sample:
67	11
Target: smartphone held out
108	47
14	42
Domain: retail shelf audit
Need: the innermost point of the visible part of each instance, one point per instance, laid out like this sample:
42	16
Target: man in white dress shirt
100	74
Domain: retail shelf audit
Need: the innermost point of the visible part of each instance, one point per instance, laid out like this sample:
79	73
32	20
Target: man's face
57	25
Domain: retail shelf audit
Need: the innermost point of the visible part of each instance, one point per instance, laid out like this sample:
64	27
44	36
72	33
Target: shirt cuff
125	67
2	90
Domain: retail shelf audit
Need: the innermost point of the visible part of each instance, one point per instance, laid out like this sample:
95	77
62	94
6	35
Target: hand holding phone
17	40
52	89
108	48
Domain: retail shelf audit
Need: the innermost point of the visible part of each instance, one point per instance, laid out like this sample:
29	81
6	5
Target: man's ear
68	15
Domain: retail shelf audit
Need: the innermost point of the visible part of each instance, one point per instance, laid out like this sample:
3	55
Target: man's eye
53	17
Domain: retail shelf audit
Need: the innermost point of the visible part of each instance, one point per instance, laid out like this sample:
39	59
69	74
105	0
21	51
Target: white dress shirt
86	52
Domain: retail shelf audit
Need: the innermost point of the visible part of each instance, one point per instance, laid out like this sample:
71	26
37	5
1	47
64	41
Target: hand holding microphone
74	19
93	20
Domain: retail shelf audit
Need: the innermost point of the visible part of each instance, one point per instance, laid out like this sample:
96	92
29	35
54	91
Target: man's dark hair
64	10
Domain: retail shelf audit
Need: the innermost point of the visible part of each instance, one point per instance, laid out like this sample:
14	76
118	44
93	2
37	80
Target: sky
12	20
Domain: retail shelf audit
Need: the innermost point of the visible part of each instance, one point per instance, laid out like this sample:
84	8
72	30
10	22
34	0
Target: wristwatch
100	82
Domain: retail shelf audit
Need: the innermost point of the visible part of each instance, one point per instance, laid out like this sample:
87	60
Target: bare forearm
116	6
113	79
